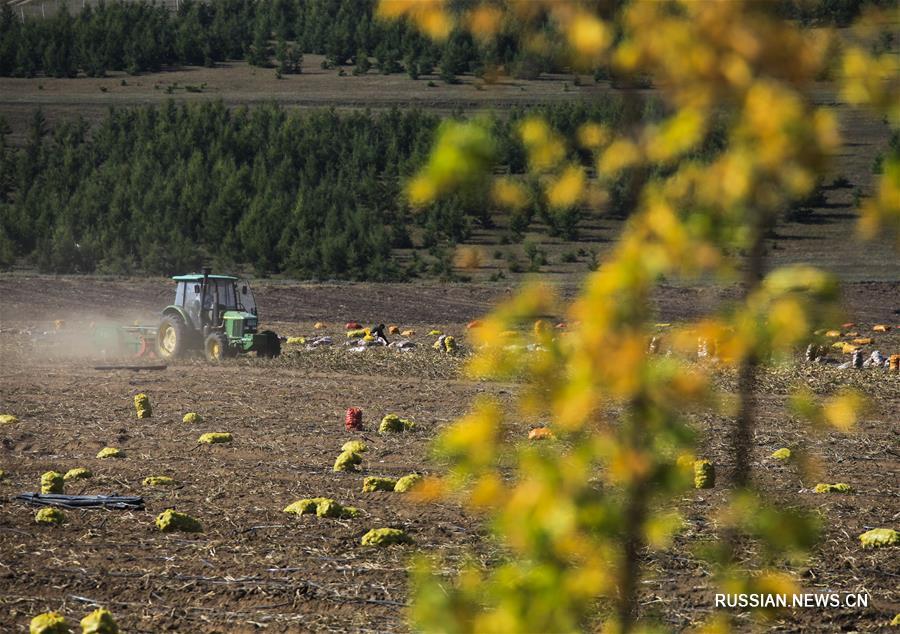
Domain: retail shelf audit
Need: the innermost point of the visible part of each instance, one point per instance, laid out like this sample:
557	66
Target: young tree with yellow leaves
575	515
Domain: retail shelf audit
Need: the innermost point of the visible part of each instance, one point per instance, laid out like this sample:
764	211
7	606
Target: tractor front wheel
216	347
171	338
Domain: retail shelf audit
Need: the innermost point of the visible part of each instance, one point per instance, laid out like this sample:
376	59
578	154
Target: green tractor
216	314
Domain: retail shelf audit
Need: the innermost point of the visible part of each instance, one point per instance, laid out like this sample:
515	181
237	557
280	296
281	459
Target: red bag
353	419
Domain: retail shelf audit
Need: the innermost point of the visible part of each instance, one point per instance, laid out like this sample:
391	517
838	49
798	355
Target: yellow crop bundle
385	537
100	621
435	333
356	446
321	507
52	482
863	341
320	325
347	461
881	328
393	423
408	333
171	520
833	333
407	482
848	348
372	484
393	330
214	437
368	338
357	333
838	344
330	508
8	419
782	454
306	506
158	481
110	452
49	623
192	418
840	487
449	343
78	473
878	537
142	406
704	474
49	515
296	341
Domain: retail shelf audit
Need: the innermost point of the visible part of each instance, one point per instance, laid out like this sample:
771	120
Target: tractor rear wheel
216	347
171	338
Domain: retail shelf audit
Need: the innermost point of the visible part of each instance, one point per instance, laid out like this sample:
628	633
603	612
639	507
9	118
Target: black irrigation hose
83	501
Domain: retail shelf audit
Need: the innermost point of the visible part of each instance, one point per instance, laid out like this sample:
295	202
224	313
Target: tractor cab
207	301
217	313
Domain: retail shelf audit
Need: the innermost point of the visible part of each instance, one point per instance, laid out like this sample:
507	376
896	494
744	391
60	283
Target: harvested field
256	567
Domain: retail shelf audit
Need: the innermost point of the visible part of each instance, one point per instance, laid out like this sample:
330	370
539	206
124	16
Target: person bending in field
378	333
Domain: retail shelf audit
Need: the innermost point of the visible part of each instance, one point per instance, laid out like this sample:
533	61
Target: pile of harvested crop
880	537
356	446
839	487
192	418
385	537
393	423
8	419
110	452
142	406
49	623
49	515
78	473
52	482
320	325
100	621
171	520
540	433
215	437
296	341
704	474
781	454
357	333
372	484
159	481
321	507
347	461
407	483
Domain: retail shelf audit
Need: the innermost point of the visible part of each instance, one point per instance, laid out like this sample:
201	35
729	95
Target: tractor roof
196	277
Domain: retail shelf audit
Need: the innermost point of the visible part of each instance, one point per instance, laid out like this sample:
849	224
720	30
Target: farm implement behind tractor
215	314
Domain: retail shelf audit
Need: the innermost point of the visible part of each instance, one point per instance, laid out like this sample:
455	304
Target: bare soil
255	567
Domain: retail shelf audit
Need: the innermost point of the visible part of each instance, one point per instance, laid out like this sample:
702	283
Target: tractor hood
239	323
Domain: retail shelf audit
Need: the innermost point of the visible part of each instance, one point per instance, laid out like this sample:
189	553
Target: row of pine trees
314	194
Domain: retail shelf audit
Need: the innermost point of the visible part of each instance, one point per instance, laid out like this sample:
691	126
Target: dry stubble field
256	567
